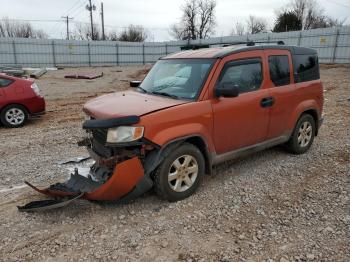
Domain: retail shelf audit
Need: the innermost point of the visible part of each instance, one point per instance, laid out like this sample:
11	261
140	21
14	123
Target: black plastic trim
109	123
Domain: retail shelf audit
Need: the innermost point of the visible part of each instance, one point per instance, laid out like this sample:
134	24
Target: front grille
100	135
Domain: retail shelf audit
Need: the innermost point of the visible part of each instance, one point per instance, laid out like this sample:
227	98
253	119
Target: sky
155	15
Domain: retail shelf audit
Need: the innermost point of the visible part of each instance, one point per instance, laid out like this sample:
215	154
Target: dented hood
127	103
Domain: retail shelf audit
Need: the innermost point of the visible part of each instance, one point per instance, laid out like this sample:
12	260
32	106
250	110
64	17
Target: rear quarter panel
309	95
20	92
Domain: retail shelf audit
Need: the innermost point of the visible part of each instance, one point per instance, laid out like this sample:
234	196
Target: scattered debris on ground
84	76
38	73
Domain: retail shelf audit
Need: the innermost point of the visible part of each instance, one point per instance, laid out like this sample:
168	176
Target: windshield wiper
142	89
164	94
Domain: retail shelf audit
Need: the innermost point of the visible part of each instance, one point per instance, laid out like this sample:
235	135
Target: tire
180	173
14	116
303	135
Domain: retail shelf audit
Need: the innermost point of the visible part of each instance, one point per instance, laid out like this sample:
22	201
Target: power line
340	4
34	20
74	6
78	9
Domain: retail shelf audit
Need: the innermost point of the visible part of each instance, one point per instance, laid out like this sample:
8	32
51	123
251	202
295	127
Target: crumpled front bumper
126	178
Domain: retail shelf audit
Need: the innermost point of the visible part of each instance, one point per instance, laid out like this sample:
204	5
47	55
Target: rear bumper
36	115
36	106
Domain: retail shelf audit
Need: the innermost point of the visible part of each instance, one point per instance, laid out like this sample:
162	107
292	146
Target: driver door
241	121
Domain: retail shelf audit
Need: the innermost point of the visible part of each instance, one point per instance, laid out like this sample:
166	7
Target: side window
279	70
306	68
246	74
5	82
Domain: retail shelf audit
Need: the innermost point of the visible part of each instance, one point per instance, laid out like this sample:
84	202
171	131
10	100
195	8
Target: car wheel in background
14	116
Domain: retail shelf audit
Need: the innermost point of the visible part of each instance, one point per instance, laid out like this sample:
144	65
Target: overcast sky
155	15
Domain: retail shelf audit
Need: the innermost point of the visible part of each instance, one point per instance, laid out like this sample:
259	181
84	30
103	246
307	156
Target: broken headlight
124	134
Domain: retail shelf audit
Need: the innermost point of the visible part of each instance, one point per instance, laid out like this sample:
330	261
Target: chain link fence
332	44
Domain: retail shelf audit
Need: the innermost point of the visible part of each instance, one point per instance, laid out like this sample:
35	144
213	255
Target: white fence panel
332	44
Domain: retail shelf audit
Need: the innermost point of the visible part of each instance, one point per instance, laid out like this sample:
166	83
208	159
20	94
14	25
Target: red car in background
20	99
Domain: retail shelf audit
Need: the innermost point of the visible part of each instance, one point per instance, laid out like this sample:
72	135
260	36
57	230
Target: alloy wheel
305	134
183	173
15	116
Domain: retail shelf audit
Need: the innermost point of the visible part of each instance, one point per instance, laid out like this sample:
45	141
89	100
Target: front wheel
303	135
179	175
14	116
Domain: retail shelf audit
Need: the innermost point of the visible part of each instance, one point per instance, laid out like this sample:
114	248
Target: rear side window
306	68
246	74
279	70
5	82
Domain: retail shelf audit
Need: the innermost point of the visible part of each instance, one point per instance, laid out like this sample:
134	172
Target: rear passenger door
282	90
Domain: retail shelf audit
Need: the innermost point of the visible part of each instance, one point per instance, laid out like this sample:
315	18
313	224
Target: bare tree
82	31
112	36
239	29
10	28
256	25
197	22
312	15
206	10
134	33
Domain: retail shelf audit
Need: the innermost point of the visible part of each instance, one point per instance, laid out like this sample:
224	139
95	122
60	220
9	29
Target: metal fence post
299	39
117	53
53	52
14	51
143	54
335	46
166	49
89	53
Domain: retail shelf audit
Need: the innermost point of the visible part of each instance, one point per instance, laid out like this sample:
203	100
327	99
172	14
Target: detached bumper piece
44	205
126	179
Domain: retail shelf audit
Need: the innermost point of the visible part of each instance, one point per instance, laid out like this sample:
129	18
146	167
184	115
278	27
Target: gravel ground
270	206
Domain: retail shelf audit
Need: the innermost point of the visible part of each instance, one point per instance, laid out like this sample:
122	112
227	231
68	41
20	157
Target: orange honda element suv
195	109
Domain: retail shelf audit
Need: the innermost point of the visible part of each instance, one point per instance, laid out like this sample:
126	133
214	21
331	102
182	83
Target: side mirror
227	90
135	83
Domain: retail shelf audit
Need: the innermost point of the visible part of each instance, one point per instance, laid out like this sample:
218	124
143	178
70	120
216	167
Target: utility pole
103	22
67	18
90	7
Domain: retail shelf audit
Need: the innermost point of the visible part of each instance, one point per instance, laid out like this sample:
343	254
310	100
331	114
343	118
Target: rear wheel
303	135
14	116
180	173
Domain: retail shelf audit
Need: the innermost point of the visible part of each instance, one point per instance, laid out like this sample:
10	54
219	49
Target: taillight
36	89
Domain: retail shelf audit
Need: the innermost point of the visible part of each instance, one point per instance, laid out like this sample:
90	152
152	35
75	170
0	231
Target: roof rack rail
194	47
248	43
252	43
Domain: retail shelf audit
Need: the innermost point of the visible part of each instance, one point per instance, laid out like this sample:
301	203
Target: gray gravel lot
269	206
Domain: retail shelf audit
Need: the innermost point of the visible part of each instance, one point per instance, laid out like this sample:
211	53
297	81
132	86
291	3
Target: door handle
267	101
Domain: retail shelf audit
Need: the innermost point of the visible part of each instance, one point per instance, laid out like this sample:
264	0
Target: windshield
177	78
